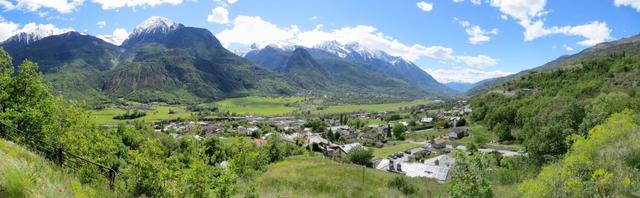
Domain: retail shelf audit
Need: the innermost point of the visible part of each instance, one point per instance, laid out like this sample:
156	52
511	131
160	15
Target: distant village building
457	133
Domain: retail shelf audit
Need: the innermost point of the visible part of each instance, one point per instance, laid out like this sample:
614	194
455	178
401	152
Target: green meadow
105	116
259	105
373	107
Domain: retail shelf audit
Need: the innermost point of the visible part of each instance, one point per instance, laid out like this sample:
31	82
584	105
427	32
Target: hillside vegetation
302	176
26	174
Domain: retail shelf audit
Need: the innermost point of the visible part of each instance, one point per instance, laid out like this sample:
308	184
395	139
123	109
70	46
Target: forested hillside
553	114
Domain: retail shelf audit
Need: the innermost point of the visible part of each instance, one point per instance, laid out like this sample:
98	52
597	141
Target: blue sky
454	40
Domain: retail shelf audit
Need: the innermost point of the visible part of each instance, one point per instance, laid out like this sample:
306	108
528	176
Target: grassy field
481	135
303	176
372	107
379	153
259	105
105	116
25	174
427	134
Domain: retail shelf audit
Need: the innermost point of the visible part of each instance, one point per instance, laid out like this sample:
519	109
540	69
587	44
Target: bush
130	115
401	184
360	155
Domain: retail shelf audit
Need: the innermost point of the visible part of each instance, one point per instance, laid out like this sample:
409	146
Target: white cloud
479	61
117	37
62	6
232	1
476	2
529	12
458	1
504	17
115	4
7	29
7	5
314	18
476	34
424	6
566	47
101	24
244	28
219	15
464	75
631	3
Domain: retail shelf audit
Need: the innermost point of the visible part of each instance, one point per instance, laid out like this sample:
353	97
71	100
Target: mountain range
162	60
369	64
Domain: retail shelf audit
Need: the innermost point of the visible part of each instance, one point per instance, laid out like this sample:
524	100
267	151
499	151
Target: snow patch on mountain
155	24
32	32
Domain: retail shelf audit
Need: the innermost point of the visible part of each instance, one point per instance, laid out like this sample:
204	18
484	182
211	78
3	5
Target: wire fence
56	153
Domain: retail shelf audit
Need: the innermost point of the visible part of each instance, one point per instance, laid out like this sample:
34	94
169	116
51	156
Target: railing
56	153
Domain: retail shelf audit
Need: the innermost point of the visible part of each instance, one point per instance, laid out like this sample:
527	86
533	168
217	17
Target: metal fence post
112	179
60	155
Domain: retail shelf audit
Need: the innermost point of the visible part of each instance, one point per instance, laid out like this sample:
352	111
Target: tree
467	178
502	131
398	131
26	103
214	151
360	155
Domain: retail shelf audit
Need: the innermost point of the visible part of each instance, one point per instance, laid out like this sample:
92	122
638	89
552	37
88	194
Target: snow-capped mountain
354	50
151	29
32	33
273	57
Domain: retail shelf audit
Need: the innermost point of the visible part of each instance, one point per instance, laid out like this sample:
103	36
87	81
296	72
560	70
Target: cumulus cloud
62	6
232	1
528	13
101	24
115	4
476	34
219	15
244	28
7	29
631	3
479	61
117	37
242	32
464	75
566	47
7	5
424	6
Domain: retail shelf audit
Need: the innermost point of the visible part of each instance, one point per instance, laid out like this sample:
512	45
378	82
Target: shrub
401	184
130	115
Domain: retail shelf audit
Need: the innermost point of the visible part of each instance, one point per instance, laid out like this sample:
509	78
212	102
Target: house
345	148
259	142
457	133
370	137
426	120
437	168
438	143
311	138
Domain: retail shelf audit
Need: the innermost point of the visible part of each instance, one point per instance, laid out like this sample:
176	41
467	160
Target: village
334	137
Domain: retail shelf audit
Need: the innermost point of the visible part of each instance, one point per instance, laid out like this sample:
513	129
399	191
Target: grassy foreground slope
26	174
303	176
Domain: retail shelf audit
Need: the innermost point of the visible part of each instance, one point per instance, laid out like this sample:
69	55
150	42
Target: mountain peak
156	24
32	33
